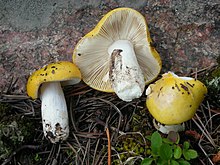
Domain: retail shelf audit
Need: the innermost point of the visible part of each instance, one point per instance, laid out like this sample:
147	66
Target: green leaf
186	145
161	161
177	152
148	137
173	162
193	153
183	162
186	155
166	151
190	154
147	161
165	140
156	142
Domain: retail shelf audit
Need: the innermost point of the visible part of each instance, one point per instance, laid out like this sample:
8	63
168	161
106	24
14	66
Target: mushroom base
167	128
125	73
54	112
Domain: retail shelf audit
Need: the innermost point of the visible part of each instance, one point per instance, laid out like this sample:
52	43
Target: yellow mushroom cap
174	100
91	52
64	71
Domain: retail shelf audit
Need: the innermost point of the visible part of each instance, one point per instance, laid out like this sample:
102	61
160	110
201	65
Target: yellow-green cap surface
173	99
63	71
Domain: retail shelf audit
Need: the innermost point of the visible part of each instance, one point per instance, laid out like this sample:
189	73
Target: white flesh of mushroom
54	112
125	73
168	128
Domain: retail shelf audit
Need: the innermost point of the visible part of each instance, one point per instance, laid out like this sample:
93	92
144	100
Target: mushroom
172	100
47	81
117	55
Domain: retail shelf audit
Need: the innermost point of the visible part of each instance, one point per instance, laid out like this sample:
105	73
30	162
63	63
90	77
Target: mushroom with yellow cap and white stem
46	83
172	100
117	56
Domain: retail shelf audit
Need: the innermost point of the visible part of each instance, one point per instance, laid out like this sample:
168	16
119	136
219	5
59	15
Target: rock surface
35	33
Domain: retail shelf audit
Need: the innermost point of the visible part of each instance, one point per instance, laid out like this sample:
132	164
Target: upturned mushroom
172	100
46	84
117	55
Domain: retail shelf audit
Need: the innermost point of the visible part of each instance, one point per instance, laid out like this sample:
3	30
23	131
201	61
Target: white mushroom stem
54	112
125	73
168	128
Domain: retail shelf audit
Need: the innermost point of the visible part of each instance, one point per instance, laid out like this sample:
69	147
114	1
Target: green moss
131	147
4	108
212	81
15	130
216	72
140	121
4	149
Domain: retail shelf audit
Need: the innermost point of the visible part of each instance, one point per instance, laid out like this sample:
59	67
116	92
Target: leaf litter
90	113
